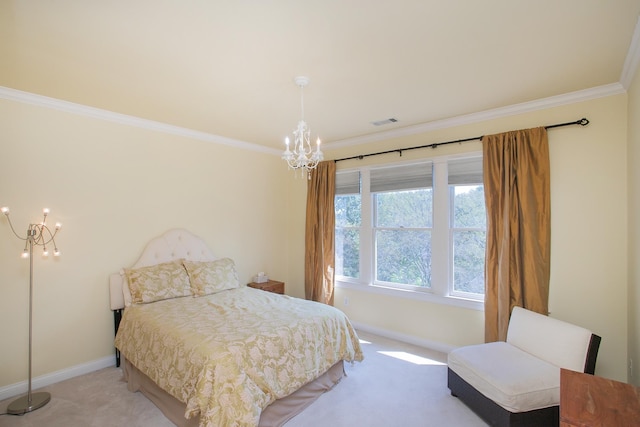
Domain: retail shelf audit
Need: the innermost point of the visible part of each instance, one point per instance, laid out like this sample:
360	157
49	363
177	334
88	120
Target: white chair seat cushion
512	378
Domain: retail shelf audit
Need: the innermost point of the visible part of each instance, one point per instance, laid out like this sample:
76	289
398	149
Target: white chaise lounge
517	382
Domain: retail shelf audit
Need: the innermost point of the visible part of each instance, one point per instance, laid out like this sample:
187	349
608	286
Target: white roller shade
348	182
465	171
406	177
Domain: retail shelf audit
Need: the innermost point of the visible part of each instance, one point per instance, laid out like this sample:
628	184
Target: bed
209	351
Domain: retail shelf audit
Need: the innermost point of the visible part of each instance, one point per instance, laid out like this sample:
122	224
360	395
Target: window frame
442	265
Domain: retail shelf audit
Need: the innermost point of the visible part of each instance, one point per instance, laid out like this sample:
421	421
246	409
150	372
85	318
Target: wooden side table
588	400
270	286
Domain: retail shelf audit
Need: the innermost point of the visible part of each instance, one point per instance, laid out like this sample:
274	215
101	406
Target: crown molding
511	110
525	107
632	60
123	119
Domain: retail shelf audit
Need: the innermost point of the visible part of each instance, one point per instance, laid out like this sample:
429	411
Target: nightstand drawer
270	286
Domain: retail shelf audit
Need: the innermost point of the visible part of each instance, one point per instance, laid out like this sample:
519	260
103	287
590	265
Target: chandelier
302	156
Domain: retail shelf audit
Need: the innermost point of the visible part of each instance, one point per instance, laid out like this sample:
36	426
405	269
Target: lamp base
22	405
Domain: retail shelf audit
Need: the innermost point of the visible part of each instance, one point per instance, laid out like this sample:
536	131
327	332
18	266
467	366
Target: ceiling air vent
384	122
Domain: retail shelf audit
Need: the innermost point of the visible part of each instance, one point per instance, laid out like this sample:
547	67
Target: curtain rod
582	122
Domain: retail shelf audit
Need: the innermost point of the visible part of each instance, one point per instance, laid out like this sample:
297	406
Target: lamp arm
40	231
13	229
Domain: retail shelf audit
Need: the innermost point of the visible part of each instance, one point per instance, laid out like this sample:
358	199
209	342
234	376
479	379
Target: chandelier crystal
303	156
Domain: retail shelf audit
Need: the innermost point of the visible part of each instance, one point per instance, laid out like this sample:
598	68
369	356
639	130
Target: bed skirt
274	415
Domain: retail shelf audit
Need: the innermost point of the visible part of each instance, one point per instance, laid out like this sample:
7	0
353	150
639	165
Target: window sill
414	295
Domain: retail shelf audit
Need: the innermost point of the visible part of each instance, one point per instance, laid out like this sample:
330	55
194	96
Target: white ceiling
226	68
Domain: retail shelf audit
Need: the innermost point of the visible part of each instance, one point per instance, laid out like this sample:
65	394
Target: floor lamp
37	235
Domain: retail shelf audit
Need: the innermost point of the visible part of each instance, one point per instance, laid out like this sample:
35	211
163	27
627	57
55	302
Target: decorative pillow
209	277
126	292
158	282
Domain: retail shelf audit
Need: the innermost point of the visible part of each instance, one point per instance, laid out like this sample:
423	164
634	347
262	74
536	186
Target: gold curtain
516	186
319	234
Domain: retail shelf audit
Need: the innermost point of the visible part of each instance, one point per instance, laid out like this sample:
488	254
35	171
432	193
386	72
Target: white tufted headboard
173	245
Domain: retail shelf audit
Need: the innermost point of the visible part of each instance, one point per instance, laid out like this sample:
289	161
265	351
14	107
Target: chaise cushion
512	378
558	342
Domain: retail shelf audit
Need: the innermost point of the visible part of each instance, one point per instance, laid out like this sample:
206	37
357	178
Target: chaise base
494	414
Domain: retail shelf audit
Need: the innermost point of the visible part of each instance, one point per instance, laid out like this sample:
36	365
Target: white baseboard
432	345
54	377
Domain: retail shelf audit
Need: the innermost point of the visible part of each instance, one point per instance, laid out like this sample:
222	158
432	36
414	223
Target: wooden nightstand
270	286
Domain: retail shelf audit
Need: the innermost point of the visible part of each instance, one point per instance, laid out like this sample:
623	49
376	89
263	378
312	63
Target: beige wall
589	232
114	187
634	230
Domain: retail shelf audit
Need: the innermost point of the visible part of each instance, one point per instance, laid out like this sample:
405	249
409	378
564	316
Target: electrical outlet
630	367
346	301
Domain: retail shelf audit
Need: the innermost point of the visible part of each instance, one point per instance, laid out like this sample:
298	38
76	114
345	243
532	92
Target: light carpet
396	385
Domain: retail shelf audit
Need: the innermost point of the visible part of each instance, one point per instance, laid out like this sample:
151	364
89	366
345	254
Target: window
402	201
348	221
467	227
417	227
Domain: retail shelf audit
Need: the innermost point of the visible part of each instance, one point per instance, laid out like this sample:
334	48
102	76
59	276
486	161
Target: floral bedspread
231	354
